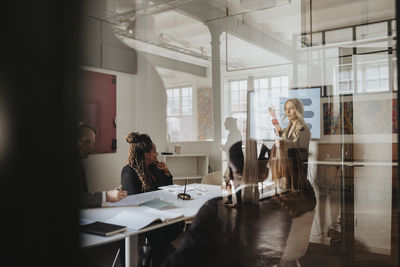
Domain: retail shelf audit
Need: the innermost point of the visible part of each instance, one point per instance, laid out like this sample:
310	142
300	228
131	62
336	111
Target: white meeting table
200	193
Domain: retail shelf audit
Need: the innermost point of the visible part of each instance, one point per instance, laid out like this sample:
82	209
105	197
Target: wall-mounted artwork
373	117
347	117
205	114
331	119
338	117
310	98
361	117
395	126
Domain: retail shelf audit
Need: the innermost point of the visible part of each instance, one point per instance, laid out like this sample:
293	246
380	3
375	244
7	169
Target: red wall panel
98	107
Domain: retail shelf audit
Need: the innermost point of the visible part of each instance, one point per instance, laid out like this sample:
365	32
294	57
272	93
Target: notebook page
134	220
164	215
135	200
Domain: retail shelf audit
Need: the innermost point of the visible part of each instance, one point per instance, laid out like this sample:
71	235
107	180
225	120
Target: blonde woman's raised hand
274	120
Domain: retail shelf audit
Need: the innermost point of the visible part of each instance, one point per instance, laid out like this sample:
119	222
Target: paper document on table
128	201
135	200
144	217
176	188
164	216
157	203
84	221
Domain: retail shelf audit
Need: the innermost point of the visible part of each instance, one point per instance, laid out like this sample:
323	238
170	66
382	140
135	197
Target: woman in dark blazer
143	173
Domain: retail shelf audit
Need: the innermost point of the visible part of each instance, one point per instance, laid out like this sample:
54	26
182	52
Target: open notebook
139	219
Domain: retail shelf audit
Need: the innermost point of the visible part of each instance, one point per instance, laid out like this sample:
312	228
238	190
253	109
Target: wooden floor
327	256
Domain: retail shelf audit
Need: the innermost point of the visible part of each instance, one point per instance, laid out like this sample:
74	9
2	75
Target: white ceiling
263	29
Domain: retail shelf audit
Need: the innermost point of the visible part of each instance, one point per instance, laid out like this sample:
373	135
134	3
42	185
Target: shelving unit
187	166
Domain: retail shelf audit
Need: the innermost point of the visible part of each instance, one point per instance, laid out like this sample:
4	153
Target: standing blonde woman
297	134
289	153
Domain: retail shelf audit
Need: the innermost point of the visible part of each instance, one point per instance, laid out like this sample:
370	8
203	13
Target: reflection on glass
339	57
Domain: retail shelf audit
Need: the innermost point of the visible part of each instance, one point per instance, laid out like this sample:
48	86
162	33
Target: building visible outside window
238	103
345	80
180	120
371	77
376	78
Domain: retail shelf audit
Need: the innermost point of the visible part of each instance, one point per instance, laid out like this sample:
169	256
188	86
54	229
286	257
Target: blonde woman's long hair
299	108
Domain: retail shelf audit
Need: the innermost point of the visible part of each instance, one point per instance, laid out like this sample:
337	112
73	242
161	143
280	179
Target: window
372	76
376	78
345	79
238	103
267	92
180	120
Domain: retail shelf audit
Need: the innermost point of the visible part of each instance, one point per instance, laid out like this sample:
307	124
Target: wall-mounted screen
310	97
261	122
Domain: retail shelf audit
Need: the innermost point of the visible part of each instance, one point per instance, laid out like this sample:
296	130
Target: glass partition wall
339	59
241	58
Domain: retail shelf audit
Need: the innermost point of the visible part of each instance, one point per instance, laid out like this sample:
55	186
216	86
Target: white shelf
187	166
185	155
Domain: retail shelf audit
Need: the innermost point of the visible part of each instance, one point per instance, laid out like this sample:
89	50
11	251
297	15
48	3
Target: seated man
244	234
100	255
86	143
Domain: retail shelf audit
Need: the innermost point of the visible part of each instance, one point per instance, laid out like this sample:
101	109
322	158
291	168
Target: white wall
141	106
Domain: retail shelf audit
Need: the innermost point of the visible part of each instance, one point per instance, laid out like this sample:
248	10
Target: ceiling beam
177	65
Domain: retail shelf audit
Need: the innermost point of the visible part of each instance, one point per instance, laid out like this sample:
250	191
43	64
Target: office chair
214	178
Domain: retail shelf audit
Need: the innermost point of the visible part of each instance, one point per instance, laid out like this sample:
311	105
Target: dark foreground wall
38	108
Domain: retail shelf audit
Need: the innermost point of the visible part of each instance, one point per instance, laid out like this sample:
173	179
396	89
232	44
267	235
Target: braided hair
139	144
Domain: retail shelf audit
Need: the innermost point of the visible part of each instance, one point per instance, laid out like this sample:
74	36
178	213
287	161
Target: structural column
216	29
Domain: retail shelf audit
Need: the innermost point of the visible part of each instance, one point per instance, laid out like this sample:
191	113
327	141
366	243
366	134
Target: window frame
180	114
231	113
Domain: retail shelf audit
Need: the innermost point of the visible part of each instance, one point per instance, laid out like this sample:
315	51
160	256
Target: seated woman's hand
115	195
162	166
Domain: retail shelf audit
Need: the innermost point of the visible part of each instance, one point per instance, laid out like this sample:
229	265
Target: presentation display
261	121
310	97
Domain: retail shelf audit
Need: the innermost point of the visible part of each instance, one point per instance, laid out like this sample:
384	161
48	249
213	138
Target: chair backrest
299	237
214	178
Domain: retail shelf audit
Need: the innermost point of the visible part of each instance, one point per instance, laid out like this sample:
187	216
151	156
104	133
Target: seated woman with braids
143	173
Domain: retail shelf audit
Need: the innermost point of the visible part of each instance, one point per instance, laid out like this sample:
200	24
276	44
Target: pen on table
184	191
119	188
